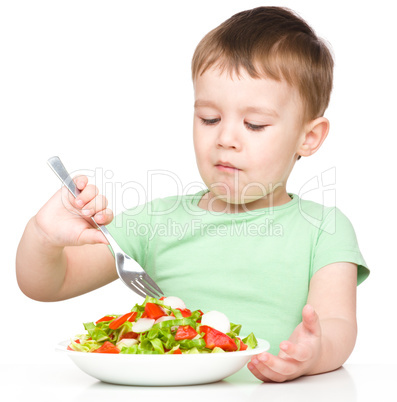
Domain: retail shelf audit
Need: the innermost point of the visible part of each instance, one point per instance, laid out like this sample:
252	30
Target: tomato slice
154	311
129	335
185	332
185	312
106	318
132	317
177	352
107	347
243	346
214	338
118	322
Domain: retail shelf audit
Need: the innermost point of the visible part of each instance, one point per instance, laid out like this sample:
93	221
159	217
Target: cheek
201	152
198	145
268	160
196	138
200	142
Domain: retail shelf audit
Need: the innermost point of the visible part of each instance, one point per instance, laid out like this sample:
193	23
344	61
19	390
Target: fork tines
144	285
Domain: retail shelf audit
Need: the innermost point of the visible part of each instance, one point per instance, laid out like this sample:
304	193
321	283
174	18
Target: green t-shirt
253	266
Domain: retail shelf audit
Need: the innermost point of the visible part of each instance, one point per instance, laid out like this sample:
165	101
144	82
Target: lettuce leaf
96	333
250	341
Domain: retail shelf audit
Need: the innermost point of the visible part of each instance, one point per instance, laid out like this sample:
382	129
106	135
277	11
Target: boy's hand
297	356
65	221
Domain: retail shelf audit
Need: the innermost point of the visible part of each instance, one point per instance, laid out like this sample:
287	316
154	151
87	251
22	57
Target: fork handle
59	169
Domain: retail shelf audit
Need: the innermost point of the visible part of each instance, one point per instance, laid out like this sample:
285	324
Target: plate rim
263	346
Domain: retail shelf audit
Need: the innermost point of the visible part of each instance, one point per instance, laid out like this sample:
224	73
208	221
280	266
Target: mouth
226	166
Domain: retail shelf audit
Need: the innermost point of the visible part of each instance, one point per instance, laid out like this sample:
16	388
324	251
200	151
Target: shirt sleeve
132	230
337	242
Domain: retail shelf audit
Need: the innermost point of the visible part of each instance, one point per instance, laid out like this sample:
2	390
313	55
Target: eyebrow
259	110
251	109
203	103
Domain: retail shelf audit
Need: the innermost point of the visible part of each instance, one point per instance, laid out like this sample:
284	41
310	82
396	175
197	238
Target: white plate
162	370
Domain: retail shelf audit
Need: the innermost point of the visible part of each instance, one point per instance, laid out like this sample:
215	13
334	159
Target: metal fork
129	271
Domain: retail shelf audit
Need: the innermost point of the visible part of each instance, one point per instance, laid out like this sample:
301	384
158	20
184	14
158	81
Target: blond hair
275	43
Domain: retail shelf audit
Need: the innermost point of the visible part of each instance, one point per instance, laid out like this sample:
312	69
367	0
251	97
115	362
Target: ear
315	133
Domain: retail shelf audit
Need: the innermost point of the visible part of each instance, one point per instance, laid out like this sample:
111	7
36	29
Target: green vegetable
235	329
160	339
96	333
250	341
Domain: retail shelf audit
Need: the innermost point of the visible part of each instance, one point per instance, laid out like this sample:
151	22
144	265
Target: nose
228	138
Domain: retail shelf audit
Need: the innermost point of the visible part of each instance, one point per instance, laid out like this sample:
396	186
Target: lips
223	165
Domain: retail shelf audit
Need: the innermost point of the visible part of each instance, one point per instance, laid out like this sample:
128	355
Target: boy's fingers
299	352
95	206
273	368
80	182
280	366
90	191
92	236
104	217
310	320
260	376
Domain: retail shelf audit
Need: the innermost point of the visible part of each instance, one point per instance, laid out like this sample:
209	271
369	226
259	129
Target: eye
209	122
255	127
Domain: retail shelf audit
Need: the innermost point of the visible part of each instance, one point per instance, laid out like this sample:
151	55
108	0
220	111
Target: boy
262	82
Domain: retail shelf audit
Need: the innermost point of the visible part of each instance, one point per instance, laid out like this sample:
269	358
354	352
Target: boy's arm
326	336
61	255
49	273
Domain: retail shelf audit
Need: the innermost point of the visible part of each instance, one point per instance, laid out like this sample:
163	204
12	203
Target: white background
107	87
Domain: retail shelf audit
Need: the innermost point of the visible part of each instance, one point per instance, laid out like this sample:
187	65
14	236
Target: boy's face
246	135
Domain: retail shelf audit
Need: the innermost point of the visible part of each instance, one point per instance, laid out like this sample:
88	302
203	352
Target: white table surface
65	382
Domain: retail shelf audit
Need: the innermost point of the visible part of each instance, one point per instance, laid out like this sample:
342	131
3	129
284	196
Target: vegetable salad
162	326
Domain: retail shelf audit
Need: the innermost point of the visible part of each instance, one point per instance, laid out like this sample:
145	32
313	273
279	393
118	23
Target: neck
211	202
